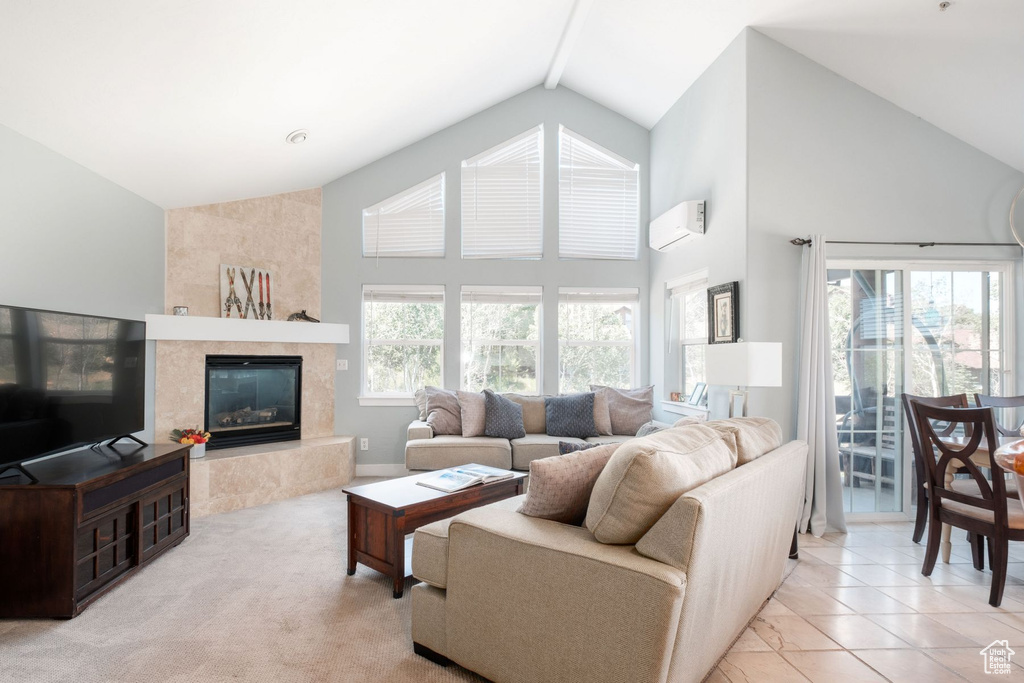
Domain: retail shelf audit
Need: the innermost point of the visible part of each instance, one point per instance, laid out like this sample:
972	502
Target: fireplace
253	399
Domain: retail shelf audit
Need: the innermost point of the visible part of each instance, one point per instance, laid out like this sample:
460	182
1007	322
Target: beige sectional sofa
517	598
424	451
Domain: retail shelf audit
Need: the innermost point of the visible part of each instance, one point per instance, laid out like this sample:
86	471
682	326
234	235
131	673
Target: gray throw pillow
503	418
650	428
571	415
629	409
566	447
444	414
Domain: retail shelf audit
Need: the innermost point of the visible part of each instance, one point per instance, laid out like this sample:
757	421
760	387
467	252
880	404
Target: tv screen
67	380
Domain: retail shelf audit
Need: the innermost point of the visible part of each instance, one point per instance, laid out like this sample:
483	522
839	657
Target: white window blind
598	201
502	200
409	224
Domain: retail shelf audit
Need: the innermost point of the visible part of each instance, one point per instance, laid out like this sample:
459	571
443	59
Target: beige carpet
253	595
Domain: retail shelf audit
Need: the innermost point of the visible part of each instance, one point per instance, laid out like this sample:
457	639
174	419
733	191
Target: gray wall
74	241
345	271
698	151
825	155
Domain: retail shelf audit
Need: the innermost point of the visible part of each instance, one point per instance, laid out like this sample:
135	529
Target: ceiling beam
577	17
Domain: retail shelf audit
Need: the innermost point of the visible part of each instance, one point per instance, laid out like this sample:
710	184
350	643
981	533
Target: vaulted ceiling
189	101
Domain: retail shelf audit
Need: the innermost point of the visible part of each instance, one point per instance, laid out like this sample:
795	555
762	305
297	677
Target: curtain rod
802	242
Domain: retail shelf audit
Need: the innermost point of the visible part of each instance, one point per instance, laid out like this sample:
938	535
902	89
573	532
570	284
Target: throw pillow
504	417
629	409
571	415
645	477
566	447
420	397
651	427
443	412
602	420
474	412
755	436
533	412
560	486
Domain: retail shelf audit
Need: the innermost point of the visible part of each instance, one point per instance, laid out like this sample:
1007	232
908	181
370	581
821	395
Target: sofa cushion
473	411
560	486
571	415
430	547
602	420
451	451
443	412
755	436
628	409
533	412
504	418
534	446
690	420
645	476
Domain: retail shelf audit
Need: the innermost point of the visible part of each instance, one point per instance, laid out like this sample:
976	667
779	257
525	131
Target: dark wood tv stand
94	518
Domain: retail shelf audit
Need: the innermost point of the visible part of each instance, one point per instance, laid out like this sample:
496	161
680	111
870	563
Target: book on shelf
458	478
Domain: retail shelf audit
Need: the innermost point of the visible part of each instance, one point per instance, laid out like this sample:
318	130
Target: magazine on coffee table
458	478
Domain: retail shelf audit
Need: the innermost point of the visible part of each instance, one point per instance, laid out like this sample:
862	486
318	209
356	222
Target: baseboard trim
387	470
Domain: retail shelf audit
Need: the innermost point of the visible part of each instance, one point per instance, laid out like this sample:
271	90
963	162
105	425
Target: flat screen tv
67	380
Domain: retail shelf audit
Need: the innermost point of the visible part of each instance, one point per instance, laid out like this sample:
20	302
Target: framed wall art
724	313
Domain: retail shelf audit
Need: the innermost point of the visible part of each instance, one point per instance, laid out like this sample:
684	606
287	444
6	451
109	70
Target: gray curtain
816	401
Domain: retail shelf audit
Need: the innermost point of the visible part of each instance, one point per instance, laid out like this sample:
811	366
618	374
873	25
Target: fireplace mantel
196	328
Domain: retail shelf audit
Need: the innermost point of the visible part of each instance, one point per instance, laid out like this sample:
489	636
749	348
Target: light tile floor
855	607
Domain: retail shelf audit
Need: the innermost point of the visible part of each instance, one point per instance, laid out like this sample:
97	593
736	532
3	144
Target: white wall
73	241
345	270
827	156
698	151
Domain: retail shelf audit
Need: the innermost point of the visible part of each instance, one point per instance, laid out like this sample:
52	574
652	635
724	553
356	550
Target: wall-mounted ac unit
676	225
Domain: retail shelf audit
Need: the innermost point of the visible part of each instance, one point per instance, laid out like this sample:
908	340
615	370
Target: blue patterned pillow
502	418
566	447
571	415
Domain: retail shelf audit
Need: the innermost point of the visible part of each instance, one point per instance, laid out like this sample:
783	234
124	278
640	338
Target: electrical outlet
342	365
364	444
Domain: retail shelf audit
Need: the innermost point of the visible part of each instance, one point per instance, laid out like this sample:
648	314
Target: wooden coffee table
382	515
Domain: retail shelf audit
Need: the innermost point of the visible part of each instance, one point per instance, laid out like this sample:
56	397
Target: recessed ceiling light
297	136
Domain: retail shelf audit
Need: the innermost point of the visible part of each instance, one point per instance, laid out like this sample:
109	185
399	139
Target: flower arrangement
189	436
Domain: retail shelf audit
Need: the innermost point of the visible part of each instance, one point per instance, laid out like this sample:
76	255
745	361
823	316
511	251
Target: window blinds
502	200
598	201
501	295
599	296
409	224
409	294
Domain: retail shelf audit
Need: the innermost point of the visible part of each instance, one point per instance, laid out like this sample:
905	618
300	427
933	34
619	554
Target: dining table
981	458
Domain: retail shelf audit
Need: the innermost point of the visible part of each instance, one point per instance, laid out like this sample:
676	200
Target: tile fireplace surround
235	478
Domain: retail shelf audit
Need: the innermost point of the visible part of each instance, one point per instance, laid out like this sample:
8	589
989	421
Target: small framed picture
697	395
675	397
724	315
181	310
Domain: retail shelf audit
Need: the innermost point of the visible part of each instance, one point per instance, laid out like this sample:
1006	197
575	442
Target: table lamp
744	365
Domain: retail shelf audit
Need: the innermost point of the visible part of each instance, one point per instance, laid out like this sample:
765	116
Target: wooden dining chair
976	504
958	401
984	401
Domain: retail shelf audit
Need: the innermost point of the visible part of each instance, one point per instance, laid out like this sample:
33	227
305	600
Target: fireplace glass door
253	399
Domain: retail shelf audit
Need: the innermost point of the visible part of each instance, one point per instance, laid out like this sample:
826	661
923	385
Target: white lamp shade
745	364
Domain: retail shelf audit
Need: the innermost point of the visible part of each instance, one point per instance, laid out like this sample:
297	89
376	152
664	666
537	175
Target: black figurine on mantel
302	316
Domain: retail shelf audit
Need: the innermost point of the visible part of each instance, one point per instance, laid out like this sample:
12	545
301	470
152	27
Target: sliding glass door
926	329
